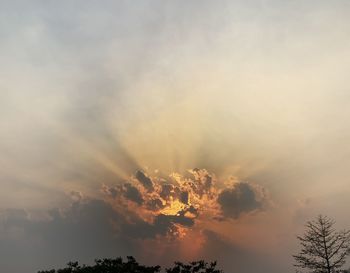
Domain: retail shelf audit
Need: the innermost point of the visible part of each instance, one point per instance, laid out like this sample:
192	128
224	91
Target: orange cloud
178	206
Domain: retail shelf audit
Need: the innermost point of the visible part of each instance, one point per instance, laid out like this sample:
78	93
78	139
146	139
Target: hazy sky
171	130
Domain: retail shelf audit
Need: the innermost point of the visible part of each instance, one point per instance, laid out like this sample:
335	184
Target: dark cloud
167	190
155	204
184	195
188	194
240	199
162	225
134	213
144	180
113	191
133	194
86	230
168	221
126	190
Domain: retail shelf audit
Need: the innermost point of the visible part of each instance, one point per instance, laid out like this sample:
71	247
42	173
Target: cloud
95	93
242	198
165	223
85	230
88	229
170	207
144	180
155	204
133	194
184	197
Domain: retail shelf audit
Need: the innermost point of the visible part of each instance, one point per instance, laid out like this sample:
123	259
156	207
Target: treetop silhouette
117	265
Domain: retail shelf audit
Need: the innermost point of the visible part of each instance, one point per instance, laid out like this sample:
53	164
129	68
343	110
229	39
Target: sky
171	130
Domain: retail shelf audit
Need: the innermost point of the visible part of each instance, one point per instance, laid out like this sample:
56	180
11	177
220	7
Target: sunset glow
171	130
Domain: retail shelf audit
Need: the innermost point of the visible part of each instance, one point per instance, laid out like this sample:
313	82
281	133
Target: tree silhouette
131	266
107	266
323	249
193	267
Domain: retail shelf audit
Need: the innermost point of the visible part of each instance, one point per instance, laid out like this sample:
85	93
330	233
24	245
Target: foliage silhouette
132	266
193	267
323	248
107	266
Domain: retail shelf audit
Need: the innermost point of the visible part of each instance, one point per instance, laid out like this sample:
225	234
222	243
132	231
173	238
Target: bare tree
323	249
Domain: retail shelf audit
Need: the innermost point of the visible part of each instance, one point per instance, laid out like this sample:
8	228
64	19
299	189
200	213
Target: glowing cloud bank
172	206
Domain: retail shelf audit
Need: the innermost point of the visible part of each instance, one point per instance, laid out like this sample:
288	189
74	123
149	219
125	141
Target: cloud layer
132	217
176	203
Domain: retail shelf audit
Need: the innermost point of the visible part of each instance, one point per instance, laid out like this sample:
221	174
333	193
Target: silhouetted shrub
107	266
132	266
197	266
